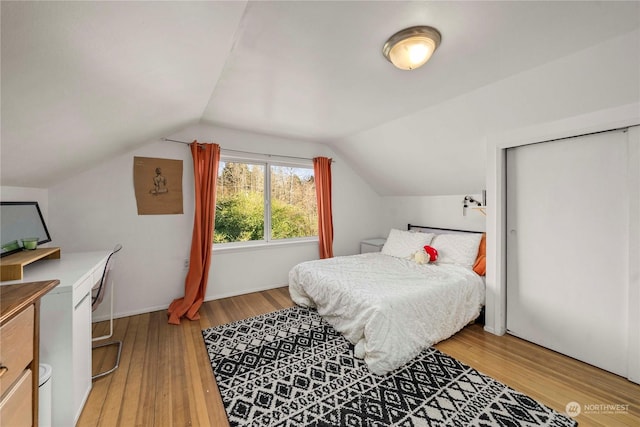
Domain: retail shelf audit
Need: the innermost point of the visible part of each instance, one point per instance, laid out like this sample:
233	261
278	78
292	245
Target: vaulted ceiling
84	81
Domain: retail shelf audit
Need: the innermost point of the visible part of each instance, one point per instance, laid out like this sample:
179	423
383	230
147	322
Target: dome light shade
412	47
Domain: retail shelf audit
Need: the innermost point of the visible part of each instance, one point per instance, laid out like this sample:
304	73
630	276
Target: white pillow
403	244
461	249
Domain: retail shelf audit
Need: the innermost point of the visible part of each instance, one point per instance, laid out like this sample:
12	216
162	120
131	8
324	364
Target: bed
389	306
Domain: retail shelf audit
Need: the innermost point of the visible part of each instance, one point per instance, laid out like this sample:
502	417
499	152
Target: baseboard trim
151	309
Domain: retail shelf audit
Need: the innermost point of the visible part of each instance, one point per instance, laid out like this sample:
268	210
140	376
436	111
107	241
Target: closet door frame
614	118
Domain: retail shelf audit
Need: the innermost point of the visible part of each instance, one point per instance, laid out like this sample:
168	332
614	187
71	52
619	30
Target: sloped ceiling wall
442	150
85	81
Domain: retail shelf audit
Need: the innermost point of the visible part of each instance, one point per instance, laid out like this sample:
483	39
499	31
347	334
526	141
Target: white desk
65	327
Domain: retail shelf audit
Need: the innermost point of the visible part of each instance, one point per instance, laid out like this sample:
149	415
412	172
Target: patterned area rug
291	368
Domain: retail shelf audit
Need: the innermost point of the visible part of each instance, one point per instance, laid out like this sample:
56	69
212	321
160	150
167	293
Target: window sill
222	248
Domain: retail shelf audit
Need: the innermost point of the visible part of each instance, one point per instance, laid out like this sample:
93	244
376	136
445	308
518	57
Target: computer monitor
20	220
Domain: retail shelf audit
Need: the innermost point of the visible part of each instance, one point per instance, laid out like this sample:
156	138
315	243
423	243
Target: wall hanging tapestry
291	368
158	185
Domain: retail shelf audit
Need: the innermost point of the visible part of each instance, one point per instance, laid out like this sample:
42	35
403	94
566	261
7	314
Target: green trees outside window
243	212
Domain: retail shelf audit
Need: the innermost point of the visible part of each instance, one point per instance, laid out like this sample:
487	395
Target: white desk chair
97	295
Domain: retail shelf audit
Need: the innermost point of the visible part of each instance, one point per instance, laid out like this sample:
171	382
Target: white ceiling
84	81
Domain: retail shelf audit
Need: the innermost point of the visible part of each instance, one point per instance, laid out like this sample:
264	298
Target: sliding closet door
568	247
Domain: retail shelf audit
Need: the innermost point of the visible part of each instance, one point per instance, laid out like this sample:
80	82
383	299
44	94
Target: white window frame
267	241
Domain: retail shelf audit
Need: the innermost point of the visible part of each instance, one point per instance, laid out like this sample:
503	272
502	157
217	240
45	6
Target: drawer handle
3	370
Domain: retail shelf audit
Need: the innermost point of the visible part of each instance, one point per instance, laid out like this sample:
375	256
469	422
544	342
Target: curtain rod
247	152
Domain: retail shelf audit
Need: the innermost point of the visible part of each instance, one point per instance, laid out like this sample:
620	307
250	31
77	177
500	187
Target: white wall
27	194
432	211
97	209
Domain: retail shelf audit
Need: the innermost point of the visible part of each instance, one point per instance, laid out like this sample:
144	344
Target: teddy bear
421	257
426	255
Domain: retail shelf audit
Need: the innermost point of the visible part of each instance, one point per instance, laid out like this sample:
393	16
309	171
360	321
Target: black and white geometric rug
291	368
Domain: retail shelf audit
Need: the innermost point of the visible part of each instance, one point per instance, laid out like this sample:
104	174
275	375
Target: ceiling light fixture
412	47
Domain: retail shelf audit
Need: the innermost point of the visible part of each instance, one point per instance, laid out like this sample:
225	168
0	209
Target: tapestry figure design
158	185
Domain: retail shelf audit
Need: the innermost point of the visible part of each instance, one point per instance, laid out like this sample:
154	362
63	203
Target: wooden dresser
19	351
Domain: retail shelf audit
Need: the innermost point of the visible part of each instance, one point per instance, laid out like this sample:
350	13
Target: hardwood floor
165	378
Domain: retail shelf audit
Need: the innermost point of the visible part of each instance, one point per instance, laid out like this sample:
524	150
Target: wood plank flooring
165	378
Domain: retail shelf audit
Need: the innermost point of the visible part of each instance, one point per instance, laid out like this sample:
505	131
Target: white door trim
614	118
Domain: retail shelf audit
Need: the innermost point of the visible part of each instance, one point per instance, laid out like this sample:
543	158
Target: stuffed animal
433	253
421	257
426	255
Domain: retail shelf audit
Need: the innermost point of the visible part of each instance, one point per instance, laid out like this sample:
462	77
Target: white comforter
389	308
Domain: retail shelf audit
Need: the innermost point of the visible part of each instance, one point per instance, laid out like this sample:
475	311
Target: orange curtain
322	175
206	158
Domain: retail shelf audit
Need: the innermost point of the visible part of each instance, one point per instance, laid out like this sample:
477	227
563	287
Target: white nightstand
372	245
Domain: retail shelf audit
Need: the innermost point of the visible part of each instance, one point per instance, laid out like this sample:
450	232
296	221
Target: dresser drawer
16	350
16	407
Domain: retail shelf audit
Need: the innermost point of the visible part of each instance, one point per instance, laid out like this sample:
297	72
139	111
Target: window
264	202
